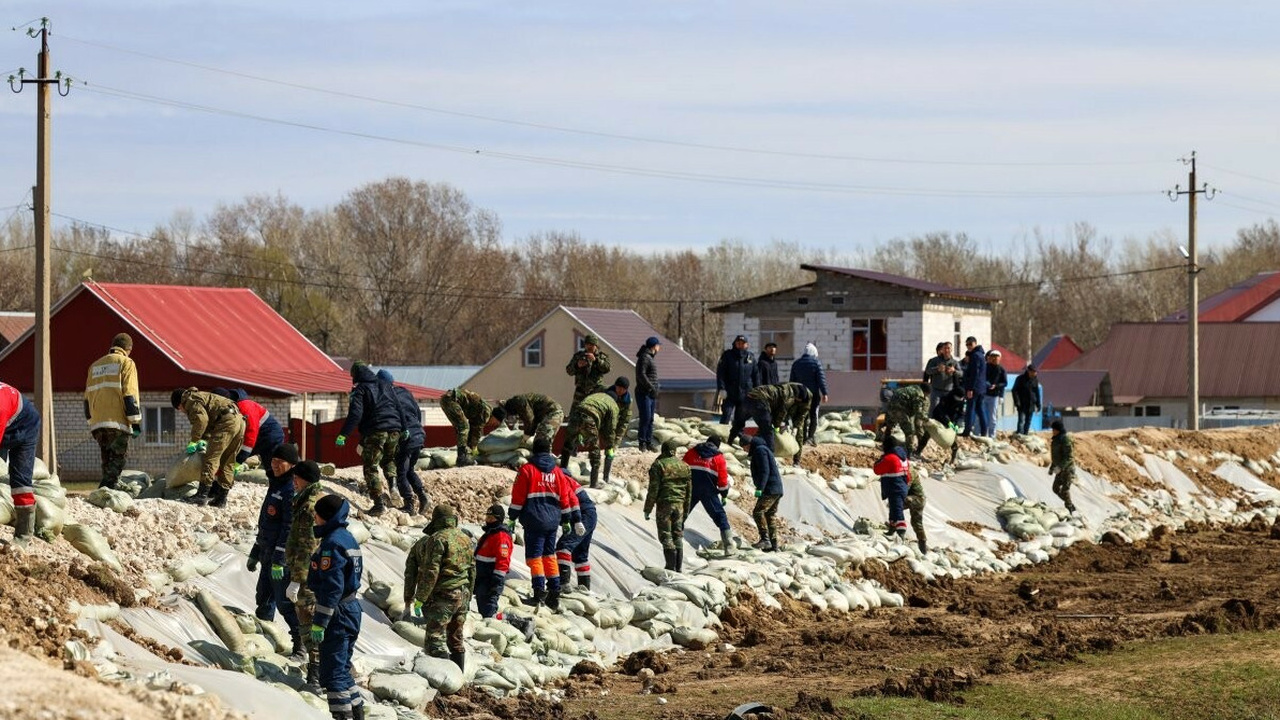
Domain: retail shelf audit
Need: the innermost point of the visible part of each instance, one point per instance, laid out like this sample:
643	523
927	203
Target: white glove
579	529
291	592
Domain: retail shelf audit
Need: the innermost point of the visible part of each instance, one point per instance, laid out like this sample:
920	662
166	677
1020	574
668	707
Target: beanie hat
811	349
622	382
590	340
287	452
385	375
329	505
122	341
355	367
496	510
307	470
1057	425
541	445
652	341
175	397
499	413
971	339
713	440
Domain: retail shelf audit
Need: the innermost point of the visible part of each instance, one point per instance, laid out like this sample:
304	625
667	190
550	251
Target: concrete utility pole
1193	290
41	195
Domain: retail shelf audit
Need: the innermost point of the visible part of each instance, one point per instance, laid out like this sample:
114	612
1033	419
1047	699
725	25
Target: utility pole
1193	289
41	195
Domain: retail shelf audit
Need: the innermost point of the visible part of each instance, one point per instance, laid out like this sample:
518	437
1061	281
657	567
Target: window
957	350
319	417
1153	411
778	330
532	357
579	341
159	425
1137	411
870	345
802	301
837	301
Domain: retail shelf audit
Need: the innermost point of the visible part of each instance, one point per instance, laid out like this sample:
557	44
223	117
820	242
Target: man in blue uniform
334	578
274	519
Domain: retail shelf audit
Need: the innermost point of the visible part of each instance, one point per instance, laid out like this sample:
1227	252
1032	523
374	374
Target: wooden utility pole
1193	291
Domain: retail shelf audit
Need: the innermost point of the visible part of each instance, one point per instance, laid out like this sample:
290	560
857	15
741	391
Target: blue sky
893	119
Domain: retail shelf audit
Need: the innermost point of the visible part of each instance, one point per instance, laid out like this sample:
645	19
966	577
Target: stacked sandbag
90	542
114	500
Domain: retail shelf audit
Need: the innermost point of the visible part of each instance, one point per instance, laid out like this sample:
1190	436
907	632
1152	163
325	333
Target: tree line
411	272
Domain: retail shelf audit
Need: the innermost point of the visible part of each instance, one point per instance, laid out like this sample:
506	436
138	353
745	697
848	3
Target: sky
666	125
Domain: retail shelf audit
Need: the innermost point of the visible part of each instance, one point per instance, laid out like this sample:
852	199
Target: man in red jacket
493	560
894	475
711	485
543	502
20	422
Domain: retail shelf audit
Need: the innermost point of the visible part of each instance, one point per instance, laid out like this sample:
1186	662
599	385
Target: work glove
417	608
291	592
277	572
610	452
317	634
579	529
252	565
236	469
340	440
511	527
759	493
566	528
193	447
1052	471
135	430
404	436
724	495
646	516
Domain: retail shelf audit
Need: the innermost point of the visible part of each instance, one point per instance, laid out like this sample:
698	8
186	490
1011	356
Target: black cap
307	470
622	382
496	510
541	445
713	440
1057	425
740	338
328	506
971	339
499	413
175	397
287	452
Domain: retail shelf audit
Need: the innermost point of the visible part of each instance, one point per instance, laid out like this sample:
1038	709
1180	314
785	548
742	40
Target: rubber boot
726	541
679	559
566	571
608	468
379	506
24	525
357	712
202	495
539	597
565	454
459	659
464	457
553	600
409	505
595	475
584	583
773	542
670	555
313	677
924	546
423	502
218	496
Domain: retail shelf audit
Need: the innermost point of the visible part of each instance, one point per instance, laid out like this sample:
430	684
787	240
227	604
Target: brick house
866	325
183	336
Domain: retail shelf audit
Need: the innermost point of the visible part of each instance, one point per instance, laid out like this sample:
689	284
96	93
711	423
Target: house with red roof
13	324
1256	299
535	361
182	336
1057	353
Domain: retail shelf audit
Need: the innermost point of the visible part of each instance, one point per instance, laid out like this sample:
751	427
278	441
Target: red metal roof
1150	360
1237	302
13	324
1057	353
1011	361
624	331
906	282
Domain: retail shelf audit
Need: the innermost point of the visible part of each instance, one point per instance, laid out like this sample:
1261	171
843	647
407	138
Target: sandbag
90	542
785	445
443	675
359	531
500	441
694	639
185	471
222	622
444	459
257	477
944	436
500	458
50	489
113	500
49	519
414	634
405	688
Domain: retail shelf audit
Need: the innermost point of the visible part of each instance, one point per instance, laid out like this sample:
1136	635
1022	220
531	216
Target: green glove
404	436
340	440
417	608
135	430
277	572
611	452
511	527
317	634
236	469
203	445
193	448
566	528
759	493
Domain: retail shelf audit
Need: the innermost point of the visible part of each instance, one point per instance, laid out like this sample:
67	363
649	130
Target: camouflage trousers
915	504
305	606
1062	486
670	519
913	423
442	618
467	427
224	438
763	513
584	432
378	454
548	426
115	447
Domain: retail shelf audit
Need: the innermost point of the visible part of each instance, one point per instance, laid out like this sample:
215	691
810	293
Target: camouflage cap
670	447
591	340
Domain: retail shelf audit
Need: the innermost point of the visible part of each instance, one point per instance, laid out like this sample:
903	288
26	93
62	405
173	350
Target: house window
870	345
956	348
780	331
837	301
532	357
319	417
1153	411
579	341
159	425
802	301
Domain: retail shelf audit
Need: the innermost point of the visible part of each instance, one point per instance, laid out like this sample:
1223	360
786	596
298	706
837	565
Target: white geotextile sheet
1233	473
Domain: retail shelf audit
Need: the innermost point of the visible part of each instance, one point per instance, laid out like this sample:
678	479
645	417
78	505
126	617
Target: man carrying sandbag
408	483
372	408
780	405
21	423
468	413
439	575
111	407
334	578
217	430
301	543
710	486
543	503
274	519
592	423
908	408
670	487
538	414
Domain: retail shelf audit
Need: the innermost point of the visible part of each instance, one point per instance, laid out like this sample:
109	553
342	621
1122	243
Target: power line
1255	201
601	133
1260	211
624	169
1243	175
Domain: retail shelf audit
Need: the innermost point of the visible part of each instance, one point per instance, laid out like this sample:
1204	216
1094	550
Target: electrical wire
1259	211
1240	174
600	133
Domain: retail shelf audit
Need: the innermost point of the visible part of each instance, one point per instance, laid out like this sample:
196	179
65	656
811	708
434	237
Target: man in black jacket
647	386
1026	398
373	409
767	366
735	376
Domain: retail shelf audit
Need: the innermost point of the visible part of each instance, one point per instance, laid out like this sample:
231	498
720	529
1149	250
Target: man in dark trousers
372	408
493	560
414	437
808	372
710	486
274	520
768	481
735	376
975	388
334	579
20	426
1026	398
767	366
647	387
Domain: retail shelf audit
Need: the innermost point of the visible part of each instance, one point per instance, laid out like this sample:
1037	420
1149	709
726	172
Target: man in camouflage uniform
592	424
621	392
468	413
778	405
588	366
372	407
302	542
1062	464
540	415
111	406
439	576
670	487
915	504
217	430
909	408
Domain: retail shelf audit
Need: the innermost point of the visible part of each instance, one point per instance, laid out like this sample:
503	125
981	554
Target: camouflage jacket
589	378
670	483
784	401
471	403
204	410
623	419
599	410
302	540
531	408
442	561
1061	452
910	400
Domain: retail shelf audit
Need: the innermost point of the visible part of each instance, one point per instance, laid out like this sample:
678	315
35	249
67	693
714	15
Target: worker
372	408
948	412
111	406
538	414
588	367
892	470
710	485
20	423
908	408
217	430
1062	464
493	561
573	550
438	579
593	424
542	501
647	387
915	501
621	393
670	487
735	376
334	578
785	405
301	543
767	478
274	518
808	371
411	441
468	413
262	432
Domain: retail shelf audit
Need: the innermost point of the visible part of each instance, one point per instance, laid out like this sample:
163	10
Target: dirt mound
827	460
638	661
1235	615
943	685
